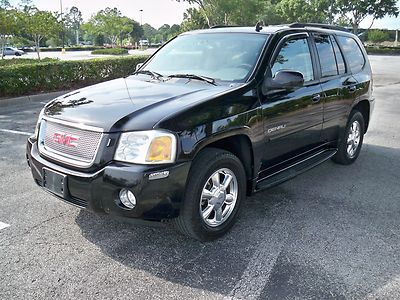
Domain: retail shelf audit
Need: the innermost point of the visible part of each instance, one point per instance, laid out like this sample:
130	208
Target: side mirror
284	79
138	66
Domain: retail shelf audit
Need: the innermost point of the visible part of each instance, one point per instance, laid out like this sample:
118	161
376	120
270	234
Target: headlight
38	123
146	147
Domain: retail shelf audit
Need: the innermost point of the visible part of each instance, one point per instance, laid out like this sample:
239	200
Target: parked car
27	48
213	116
11	51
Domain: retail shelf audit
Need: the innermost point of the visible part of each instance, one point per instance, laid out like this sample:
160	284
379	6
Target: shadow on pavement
344	235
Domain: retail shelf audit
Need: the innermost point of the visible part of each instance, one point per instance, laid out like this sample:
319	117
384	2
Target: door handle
316	98
352	88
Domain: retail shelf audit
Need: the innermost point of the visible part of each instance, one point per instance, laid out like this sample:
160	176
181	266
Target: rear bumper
156	199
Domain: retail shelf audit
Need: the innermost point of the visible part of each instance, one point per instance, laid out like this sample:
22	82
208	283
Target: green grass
110	51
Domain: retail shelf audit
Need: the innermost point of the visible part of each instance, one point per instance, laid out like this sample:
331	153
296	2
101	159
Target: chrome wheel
218	198
353	139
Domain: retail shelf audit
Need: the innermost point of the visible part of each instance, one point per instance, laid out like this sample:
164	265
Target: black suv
212	116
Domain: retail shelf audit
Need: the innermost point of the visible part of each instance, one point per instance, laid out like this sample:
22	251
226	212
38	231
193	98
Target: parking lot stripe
256	276
16	132
3	225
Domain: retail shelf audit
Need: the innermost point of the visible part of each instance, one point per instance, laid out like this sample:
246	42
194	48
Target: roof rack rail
318	25
222	26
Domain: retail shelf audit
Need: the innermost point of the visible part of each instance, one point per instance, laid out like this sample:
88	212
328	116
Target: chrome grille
81	154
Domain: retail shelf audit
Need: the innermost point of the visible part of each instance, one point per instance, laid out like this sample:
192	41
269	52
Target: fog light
127	198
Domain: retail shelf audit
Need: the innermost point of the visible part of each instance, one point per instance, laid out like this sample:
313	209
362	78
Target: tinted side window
339	57
326	55
353	53
295	55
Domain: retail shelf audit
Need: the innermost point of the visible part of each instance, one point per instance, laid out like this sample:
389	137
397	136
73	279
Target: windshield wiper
151	73
193	76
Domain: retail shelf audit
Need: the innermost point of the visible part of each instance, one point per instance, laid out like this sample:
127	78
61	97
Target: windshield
220	56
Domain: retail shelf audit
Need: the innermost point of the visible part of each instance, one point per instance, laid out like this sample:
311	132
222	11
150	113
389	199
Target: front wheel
216	186
349	146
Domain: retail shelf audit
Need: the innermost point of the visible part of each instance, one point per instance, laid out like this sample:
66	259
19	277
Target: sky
159	12
155	12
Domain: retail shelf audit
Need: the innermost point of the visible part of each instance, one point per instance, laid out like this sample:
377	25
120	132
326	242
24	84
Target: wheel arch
239	144
364	108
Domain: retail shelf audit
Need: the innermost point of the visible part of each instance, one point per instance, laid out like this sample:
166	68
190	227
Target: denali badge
66	139
273	129
159	175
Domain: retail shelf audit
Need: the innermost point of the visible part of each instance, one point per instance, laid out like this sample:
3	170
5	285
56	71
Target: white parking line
256	276
16	132
3	225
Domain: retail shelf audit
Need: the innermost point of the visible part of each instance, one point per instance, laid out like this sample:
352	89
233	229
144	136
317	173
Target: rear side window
326	55
353	53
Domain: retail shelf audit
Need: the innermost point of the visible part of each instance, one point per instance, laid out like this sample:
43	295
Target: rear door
336	81
292	118
340	60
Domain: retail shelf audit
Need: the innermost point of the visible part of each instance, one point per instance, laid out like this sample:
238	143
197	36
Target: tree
41	24
193	19
27	6
355	11
314	11
9	23
149	31
227	12
202	8
5	4
73	21
137	31
111	23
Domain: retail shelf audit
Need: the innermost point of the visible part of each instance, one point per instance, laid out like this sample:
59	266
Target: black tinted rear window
352	53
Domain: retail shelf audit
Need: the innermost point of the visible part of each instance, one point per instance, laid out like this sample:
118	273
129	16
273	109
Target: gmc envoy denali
214	115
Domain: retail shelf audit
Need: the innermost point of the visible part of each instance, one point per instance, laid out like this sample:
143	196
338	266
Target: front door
292	118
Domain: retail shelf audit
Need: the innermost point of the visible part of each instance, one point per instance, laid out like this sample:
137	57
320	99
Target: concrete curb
5	102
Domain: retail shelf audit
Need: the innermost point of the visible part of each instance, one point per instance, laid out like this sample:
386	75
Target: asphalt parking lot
76	55
331	233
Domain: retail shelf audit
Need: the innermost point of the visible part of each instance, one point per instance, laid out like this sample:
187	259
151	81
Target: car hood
130	103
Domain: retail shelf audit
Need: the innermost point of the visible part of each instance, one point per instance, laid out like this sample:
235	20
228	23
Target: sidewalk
5	102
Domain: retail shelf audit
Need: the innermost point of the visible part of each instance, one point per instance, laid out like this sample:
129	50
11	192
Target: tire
207	215
17	54
350	144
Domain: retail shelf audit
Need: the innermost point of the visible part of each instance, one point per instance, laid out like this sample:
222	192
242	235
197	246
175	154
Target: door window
326	55
295	55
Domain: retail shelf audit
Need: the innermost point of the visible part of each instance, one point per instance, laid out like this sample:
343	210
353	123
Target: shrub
24	61
378	36
45	76
110	51
383	50
75	48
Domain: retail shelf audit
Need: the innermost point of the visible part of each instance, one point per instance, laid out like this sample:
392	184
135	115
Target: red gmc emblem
66	139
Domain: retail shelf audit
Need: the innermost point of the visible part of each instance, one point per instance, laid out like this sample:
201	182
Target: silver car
11	51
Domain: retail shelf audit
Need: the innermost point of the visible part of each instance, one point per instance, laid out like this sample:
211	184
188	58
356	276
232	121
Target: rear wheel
216	186
350	145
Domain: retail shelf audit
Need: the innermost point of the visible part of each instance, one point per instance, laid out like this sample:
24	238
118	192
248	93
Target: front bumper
98	191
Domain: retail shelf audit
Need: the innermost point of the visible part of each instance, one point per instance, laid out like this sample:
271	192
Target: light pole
62	33
141	26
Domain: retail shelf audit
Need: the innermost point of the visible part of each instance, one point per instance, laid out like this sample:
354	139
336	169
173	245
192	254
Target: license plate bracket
55	182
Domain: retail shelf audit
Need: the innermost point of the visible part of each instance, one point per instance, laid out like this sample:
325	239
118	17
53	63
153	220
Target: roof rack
318	25
222	26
